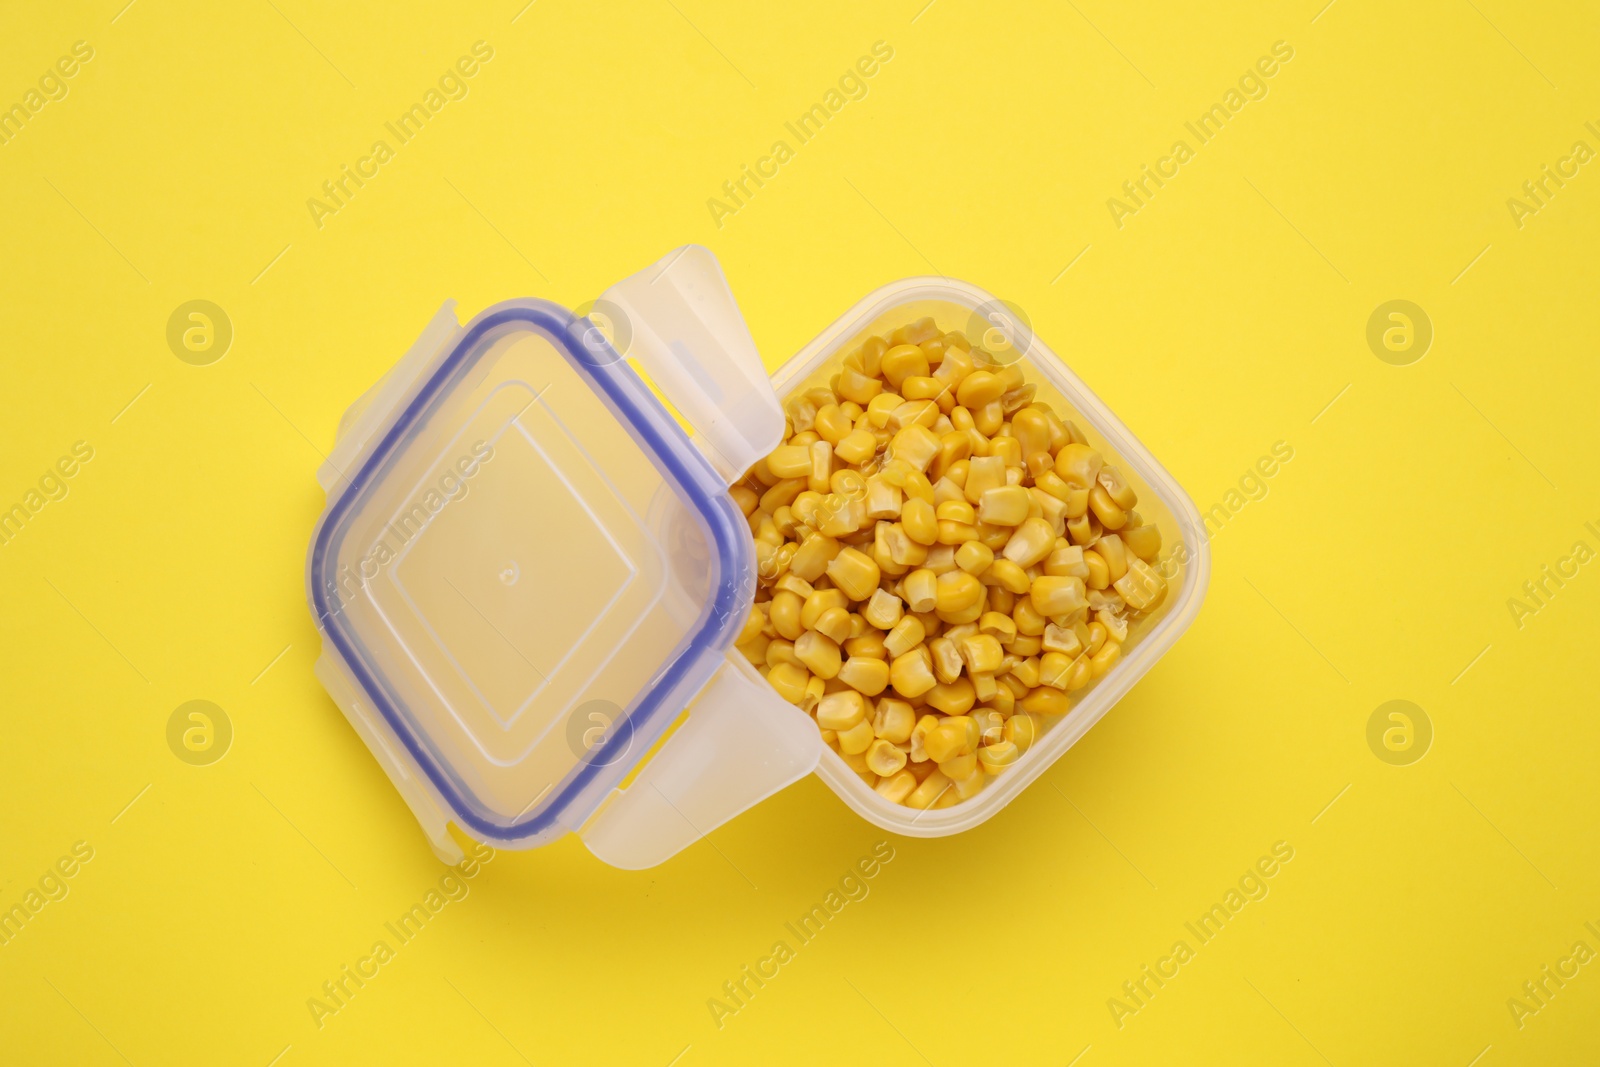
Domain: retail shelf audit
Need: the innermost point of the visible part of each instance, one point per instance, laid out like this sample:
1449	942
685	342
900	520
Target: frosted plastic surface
686	331
518	573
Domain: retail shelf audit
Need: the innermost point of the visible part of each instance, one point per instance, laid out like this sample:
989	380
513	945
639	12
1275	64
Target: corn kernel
857	446
818	653
973	730
1053	595
1031	542
893	720
841	710
922	387
785	615
1054	668
781	651
946	659
1102	661
922	413
958	767
1142	587
841	516
869	645
906	634
870	676
1097	638
984	472
991	725
941	559
997	624
1116	625
952	698
812	557
1004	505
1143	541
1021	730
883	499
911	673
858	386
916	484
1080	674
920	521
1009	450
1099	573
920	590
974	557
1078	465
1066	561
1047	507
952	796
848	483
903	361
783	492
879	407
747	499
979	388
997	757
954	472
884	610
831	425
982	653
790	461
903	552
897	788
944	742
1046	700
793	583
1061	639
821	467
955	510
871	353
1117	487
956	533
1008	576
916	445
834	624
754	624
932	789
1030	629
1027	672
855	573
1115	553
856	740
883	758
790	681
957	591
925	725
1105	509
820	601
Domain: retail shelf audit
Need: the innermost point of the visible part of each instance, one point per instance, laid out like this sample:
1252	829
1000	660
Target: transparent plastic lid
530	569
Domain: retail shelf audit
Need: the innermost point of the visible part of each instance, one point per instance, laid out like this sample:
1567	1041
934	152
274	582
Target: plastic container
527	569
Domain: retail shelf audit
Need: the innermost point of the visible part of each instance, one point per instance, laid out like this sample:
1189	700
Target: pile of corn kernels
944	564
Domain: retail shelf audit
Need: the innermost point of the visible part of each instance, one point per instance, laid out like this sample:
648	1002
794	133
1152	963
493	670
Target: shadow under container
529	576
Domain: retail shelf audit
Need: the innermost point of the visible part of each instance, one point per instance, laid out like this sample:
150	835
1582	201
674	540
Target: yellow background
1222	318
